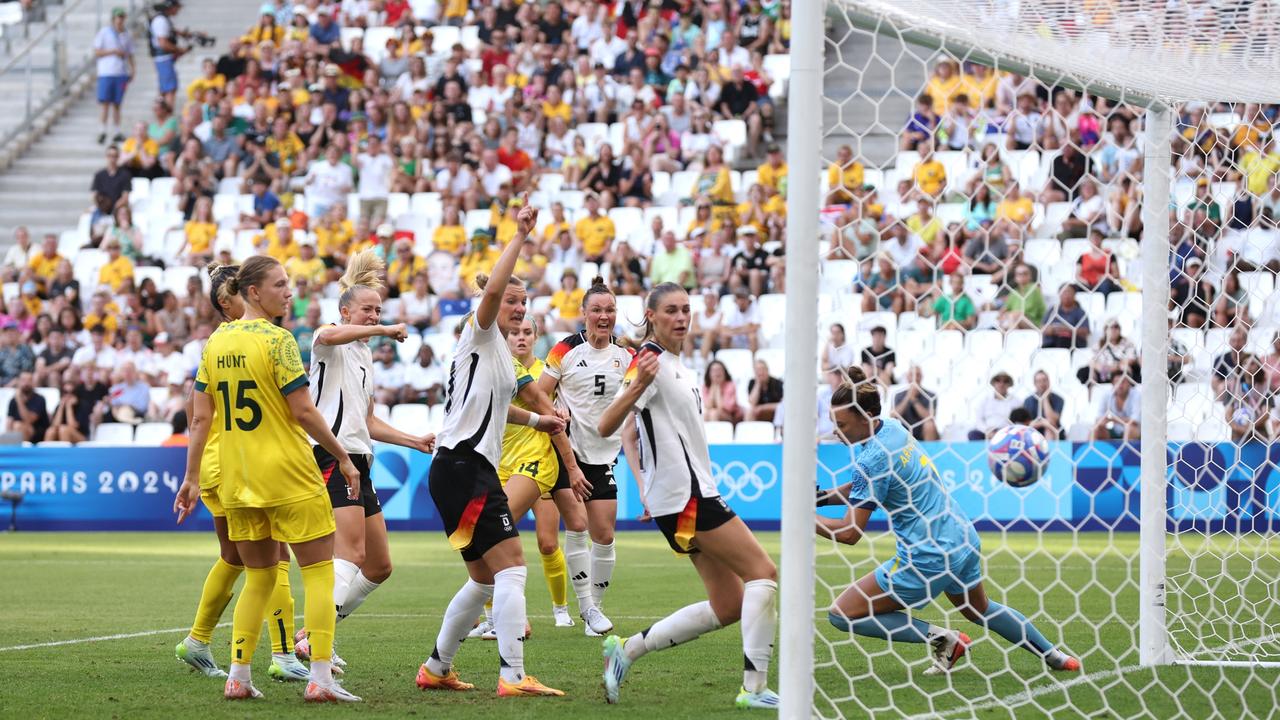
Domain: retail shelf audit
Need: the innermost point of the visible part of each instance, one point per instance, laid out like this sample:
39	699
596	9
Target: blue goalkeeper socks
895	626
1016	628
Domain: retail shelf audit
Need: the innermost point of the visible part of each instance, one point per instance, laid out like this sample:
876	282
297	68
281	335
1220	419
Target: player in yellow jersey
194	649
271	487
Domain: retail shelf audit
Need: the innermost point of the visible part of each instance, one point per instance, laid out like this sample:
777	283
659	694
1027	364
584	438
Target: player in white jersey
464	479
680	492
342	388
584	373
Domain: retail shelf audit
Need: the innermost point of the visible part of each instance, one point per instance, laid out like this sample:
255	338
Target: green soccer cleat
197	655
286	668
616	665
766	699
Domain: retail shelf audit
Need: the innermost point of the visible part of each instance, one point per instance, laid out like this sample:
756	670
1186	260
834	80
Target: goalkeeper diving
938	550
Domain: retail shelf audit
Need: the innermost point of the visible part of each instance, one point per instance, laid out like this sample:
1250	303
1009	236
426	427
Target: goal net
1064	215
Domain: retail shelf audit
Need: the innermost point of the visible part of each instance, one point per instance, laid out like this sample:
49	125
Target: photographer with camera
164	47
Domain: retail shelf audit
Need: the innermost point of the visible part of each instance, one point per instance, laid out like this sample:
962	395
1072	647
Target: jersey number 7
243	402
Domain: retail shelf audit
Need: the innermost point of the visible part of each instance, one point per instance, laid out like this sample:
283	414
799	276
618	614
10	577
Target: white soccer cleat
332	692
946	650
337	661
561	615
616	665
197	655
286	668
595	623
766	699
484	631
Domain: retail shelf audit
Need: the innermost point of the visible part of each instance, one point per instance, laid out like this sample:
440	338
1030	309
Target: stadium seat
593	135
778	67
53	444
411	418
1022	344
838	276
329	310
775	358
442	344
408	350
738	362
682	183
114	433
718	432
6	395
630	310
734	134
152	434
436	419
1054	214
753	433
175	279
382	412
349	34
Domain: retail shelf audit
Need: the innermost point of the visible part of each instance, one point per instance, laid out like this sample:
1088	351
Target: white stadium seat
152	434
753	433
411	418
718	432
114	434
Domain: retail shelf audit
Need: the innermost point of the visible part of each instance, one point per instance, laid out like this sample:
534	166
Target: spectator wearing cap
118	268
1044	407
672	262
114	50
994	408
1065	324
844	176
751	266
595	230
1119	411
740	325
325	32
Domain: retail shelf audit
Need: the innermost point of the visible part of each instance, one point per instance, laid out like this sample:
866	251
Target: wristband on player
827	497
534	419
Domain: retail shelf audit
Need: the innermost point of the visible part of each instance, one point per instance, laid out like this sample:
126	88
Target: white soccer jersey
589	380
341	387
482	382
673	446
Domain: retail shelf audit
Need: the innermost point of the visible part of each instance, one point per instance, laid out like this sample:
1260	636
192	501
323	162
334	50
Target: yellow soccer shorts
295	522
543	470
209	496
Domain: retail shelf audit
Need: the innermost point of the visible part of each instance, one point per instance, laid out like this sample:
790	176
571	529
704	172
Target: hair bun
482	279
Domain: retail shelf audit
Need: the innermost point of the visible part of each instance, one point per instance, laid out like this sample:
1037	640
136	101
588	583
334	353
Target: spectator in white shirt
733	55
328	181
493	175
423	379
96	353
740	325
375	180
1119	411
142	357
193	351
170	363
457	181
113	48
416	306
388	374
838	353
705	326
18	256
994	409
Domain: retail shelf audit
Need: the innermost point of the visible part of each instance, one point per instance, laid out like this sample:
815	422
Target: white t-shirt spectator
423	378
586	31
171	366
993	412
375	175
406	85
607	49
16	257
193	352
143	360
905	252
86	356
702	322
738	57
840	357
411	307
493	180
328	184
599	95
456	185
1089	210
161	27
108	39
388	377
626	94
1108	405
735	317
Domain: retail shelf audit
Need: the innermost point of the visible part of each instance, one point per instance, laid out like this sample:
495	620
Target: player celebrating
342	388
681	494
585	371
464	480
194	649
270	487
938	548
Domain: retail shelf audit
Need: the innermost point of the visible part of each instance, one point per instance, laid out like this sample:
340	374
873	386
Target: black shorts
699	515
603	485
470	500
336	484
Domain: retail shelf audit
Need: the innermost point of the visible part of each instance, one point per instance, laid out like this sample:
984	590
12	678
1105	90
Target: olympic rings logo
747	483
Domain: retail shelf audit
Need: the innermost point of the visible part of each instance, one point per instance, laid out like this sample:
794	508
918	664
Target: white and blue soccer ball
1018	455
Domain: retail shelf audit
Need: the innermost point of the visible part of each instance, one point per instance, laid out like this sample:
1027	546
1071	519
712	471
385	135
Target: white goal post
1157	72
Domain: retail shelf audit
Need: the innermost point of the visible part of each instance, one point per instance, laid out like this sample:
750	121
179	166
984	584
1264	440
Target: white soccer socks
509	620
463	609
680	626
361	588
578	558
759	623
602	561
344	571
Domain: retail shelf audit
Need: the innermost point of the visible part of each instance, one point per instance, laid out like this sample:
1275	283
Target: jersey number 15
243	402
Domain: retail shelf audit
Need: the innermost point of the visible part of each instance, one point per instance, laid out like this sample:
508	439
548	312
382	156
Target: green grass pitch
77	589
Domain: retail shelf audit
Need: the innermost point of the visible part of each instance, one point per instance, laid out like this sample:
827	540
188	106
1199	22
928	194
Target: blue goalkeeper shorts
913	587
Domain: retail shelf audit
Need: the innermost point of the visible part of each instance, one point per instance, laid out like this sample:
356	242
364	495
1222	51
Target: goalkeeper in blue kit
938	550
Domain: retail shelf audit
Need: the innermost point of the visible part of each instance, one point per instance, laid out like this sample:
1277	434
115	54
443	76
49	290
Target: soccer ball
1018	455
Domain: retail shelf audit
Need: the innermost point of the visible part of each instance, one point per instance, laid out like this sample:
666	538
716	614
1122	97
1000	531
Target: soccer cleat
561	615
333	693
616	665
766	699
528	687
947	649
428	680
483	630
596	624
199	658
1071	665
302	648
240	690
286	668
337	661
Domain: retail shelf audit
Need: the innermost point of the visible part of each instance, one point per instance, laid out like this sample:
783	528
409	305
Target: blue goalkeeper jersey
891	471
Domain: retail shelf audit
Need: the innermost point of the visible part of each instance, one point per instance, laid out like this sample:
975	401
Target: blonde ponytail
364	272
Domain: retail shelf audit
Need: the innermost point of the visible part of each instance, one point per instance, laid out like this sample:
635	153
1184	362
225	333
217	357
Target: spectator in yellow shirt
703	220
506	227
140	153
596	231
943	85
286	145
715	181
480	259
1014	212
979	83
306	264
557	224
451	236
567	303
404	268
210	79
844	176
104	314
455	12
774	169
924	224
199	233
752	212
279	241
44	264
118	268
555	106
334	234
1258	165
531	267
929	175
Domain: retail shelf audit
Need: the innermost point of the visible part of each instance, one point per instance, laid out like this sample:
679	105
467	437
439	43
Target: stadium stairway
48	188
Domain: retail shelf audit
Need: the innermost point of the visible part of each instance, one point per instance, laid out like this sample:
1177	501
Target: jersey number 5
243	402
600	387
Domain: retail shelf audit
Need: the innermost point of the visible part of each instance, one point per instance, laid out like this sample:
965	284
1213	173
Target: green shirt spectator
672	263
1025	303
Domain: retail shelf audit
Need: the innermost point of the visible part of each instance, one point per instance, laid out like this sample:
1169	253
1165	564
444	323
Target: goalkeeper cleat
286	668
484	630
946	650
595	623
197	655
331	693
766	699
428	680
616	665
1070	665
528	687
240	690
561	615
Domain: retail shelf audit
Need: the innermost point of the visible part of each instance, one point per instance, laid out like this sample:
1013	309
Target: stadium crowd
1007	225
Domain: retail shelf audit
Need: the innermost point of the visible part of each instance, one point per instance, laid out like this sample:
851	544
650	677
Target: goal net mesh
980	254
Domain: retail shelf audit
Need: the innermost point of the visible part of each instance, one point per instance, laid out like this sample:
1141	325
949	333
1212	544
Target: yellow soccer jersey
248	368
521	443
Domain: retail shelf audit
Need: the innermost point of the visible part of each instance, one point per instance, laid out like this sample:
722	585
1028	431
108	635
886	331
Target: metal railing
66	65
